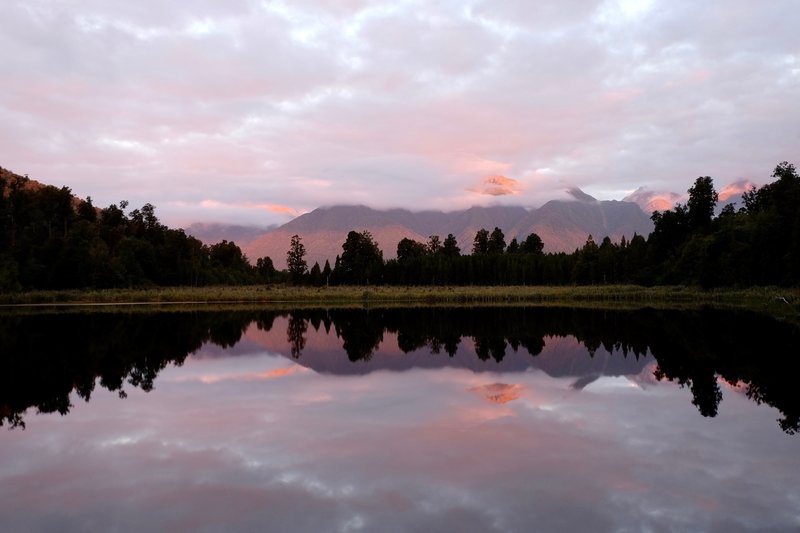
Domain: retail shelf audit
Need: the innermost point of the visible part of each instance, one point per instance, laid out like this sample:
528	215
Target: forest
51	240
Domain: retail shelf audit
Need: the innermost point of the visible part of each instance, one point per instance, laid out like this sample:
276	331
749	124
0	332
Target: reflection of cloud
253	376
497	186
397	451
646	377
217	205
740	387
498	392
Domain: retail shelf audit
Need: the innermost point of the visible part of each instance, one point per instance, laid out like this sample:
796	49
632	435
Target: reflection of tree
691	348
706	394
296	334
494	346
361	331
698	348
44	357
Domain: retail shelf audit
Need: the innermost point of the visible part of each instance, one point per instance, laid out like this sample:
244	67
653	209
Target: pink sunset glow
255	112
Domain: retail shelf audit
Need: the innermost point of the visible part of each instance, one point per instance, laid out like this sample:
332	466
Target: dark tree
434	245
702	200
480	245
513	246
266	269
450	247
497	242
408	249
326	273
315	275
361	260
532	245
295	259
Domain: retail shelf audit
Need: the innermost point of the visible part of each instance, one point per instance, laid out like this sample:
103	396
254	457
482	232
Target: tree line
51	240
758	244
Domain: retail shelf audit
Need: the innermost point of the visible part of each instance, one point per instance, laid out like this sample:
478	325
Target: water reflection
46	356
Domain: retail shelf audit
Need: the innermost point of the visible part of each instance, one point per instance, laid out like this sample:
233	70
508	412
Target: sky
256	111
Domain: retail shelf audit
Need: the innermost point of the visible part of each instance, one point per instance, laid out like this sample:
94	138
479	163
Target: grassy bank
758	298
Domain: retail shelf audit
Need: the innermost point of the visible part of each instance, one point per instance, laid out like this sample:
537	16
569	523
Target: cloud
735	189
393	104
497	186
281	209
651	201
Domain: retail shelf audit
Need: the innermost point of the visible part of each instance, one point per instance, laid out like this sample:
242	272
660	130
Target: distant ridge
563	226
212	233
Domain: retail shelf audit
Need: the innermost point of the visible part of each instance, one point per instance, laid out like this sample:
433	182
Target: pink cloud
499	393
281	209
735	189
497	186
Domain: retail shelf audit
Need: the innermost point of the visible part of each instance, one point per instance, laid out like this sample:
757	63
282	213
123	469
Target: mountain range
563	226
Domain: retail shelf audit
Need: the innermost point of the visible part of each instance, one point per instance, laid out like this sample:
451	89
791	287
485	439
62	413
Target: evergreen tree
450	247
295	259
480	245
532	245
409	249
702	200
497	242
361	260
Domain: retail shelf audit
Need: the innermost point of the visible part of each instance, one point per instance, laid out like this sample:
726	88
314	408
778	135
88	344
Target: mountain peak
651	201
581	196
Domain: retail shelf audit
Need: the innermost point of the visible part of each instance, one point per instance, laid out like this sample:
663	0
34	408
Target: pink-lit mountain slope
651	201
562	225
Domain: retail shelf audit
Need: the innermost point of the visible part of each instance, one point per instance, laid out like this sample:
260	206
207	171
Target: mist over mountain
651	201
563	226
212	232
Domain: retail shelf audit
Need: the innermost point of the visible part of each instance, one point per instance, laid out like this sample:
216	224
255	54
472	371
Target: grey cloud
380	99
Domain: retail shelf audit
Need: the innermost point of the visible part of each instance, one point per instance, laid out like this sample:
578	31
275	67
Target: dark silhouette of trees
50	240
434	245
361	261
702	200
532	245
450	247
266	269
295	259
497	242
480	245
408	250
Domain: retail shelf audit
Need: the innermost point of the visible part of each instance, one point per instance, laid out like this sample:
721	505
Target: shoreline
755	298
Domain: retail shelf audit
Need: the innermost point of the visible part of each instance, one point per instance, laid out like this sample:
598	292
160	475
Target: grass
756	298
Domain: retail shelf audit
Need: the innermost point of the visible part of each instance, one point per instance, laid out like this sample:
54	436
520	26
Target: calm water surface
456	420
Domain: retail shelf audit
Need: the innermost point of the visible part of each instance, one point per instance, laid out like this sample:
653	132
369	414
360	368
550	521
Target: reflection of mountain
45	357
560	357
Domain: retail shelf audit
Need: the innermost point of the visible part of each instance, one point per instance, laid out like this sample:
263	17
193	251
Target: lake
425	419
